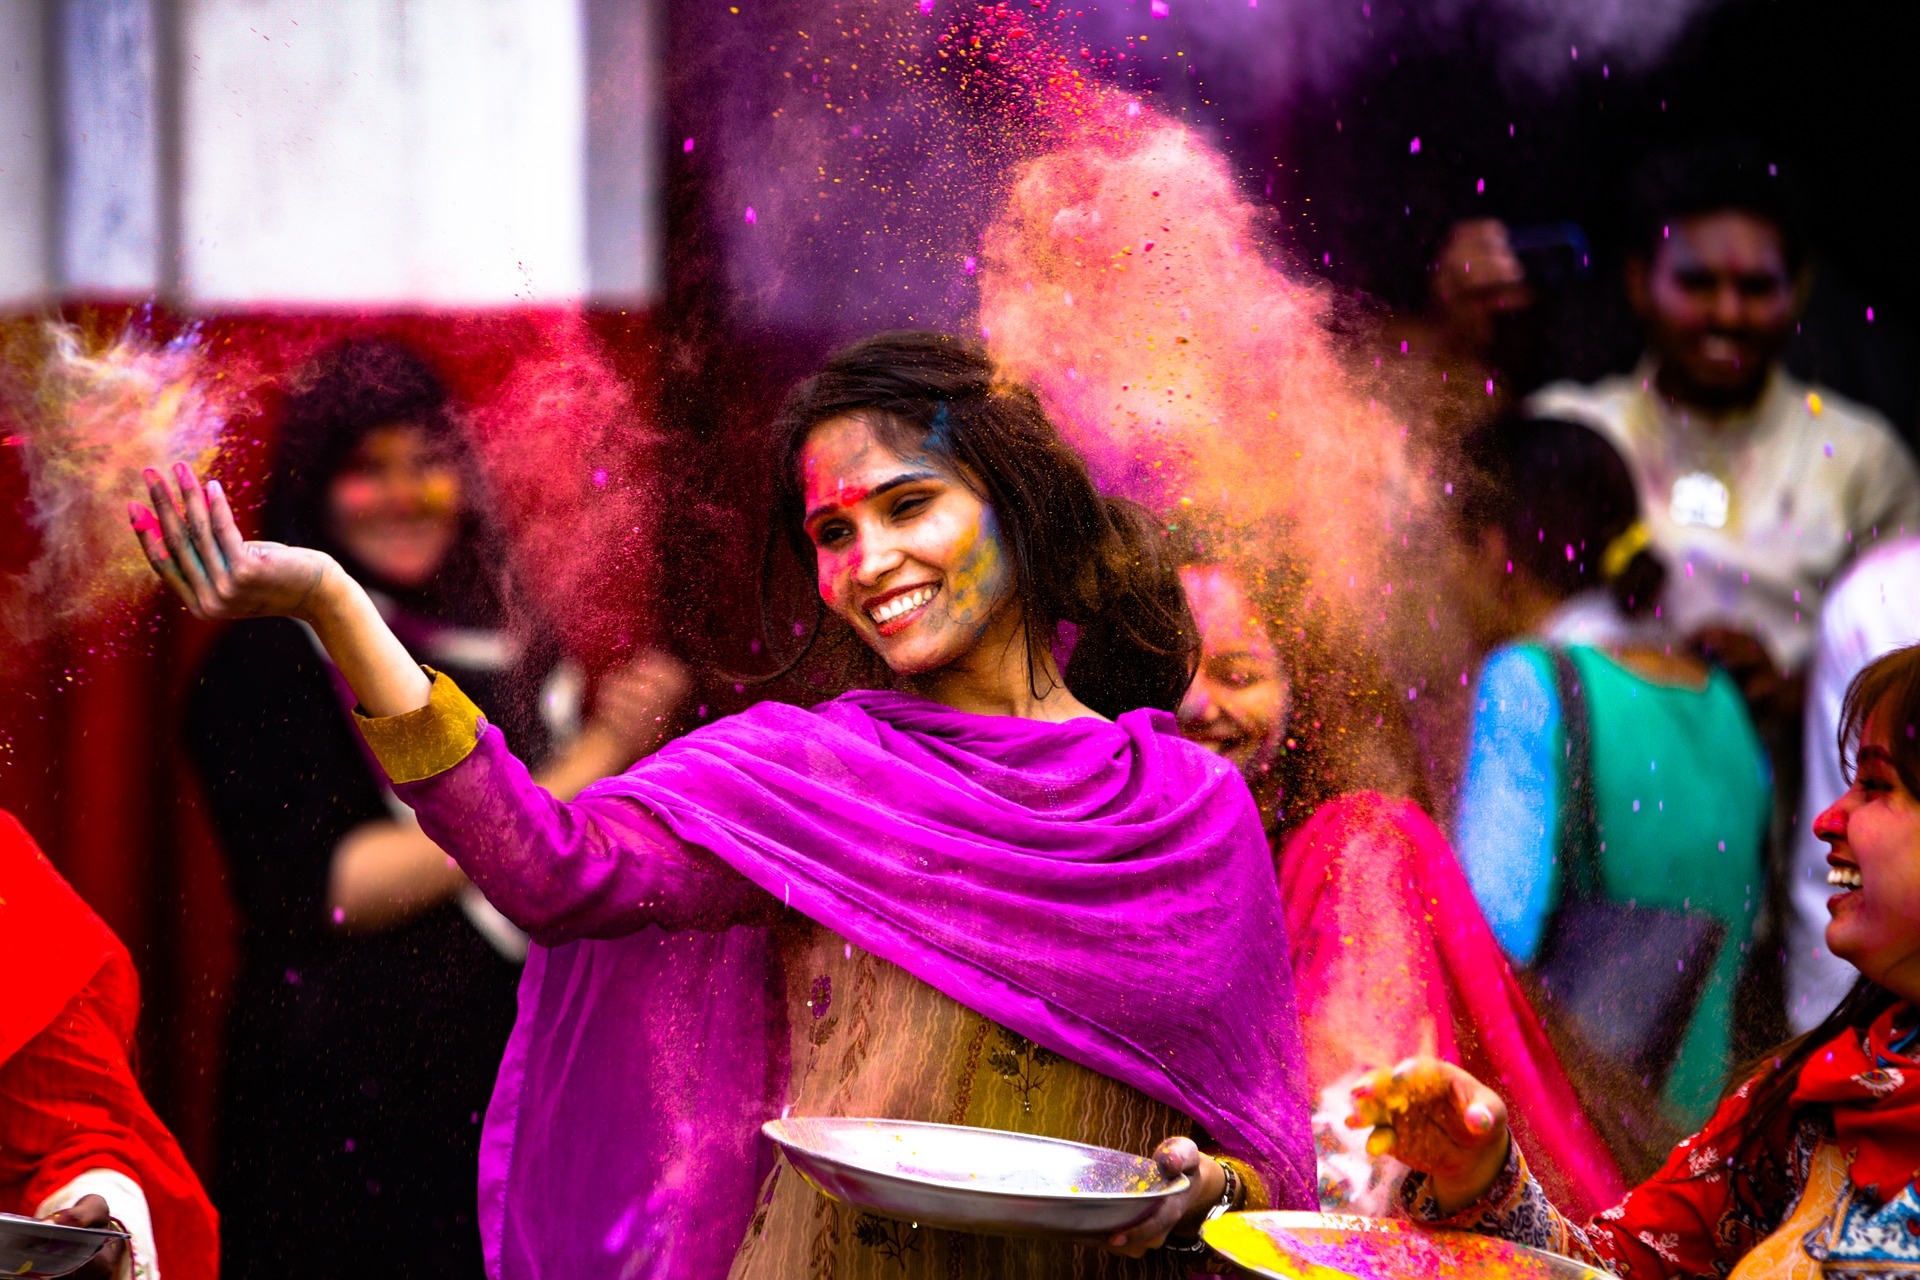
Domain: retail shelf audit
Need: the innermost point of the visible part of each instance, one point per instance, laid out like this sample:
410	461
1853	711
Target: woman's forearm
384	678
385	872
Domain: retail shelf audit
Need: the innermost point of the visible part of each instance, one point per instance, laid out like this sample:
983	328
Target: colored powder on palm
90	416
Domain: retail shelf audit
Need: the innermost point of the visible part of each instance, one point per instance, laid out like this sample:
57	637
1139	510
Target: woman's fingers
226	532
1424	1111
147	530
1175	1156
200	529
174	530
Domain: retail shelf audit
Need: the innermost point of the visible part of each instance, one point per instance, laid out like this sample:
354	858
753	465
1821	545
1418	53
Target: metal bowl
1329	1246
983	1181
32	1248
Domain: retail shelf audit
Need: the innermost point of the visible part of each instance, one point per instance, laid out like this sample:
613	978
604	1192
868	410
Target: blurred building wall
357	153
25	151
104	58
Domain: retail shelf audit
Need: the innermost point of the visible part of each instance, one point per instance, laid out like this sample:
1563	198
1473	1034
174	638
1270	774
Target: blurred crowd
1669	578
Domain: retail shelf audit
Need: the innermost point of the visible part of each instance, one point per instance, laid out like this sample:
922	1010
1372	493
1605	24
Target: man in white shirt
1758	488
1874	610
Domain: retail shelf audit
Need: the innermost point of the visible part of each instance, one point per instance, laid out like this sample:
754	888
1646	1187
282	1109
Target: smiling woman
1005	895
955	532
1809	1165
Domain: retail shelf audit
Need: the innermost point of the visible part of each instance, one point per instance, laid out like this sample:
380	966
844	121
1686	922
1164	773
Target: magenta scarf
1103	889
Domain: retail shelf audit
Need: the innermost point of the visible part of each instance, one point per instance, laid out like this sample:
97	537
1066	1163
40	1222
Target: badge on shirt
1700	499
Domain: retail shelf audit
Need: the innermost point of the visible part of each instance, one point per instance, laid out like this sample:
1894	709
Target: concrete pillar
26	177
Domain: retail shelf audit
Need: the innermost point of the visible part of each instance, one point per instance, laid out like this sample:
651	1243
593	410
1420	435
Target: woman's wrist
329	596
1210	1184
383	676
1452	1194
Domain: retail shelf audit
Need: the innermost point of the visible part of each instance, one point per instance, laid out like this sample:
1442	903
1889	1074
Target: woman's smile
899	609
1872	832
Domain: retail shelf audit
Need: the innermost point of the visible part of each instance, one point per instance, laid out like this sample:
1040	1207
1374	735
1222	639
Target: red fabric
1700	1214
1392	957
69	1002
1876	1108
54	944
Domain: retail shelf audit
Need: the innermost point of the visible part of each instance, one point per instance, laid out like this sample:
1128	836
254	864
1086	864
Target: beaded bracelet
1229	1200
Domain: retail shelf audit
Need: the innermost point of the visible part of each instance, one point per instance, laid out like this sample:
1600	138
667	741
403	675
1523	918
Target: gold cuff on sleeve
432	739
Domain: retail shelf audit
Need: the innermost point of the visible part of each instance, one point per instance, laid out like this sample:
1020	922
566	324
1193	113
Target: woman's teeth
902	604
1844	877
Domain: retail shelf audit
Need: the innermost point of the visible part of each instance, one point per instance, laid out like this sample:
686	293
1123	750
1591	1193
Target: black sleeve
284	775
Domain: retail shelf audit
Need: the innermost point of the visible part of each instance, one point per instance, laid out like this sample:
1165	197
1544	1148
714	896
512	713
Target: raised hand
191	541
634	702
1432	1116
190	538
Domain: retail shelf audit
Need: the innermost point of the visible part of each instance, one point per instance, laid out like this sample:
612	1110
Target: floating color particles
91	418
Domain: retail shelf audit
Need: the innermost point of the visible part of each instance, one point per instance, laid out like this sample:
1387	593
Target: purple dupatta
1104	889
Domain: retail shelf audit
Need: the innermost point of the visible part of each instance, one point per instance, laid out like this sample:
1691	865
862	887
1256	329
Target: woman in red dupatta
78	1141
1809	1167
1391	955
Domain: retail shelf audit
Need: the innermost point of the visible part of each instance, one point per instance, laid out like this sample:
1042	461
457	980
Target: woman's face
907	553
1873	834
395	505
1237	703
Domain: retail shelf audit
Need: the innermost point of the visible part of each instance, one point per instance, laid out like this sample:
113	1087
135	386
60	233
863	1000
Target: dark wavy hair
1715	175
1346	731
350	390
1078	557
1888	688
1550	485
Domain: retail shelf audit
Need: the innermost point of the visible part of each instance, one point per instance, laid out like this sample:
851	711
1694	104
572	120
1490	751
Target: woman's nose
876	558
1831	825
1197	705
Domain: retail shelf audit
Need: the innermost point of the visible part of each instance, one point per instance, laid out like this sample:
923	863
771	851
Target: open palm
190	538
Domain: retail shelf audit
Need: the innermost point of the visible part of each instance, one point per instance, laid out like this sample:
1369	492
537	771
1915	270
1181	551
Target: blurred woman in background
1558	581
1390	954
377	987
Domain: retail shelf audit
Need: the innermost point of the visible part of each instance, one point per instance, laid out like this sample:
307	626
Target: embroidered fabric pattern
1698	1216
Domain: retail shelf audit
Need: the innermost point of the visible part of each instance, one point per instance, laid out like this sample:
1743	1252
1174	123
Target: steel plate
1330	1246
983	1181
32	1248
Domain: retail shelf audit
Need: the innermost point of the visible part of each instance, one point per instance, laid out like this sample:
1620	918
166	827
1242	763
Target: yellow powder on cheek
979	570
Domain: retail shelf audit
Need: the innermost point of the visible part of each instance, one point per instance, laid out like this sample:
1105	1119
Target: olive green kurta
871	1040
